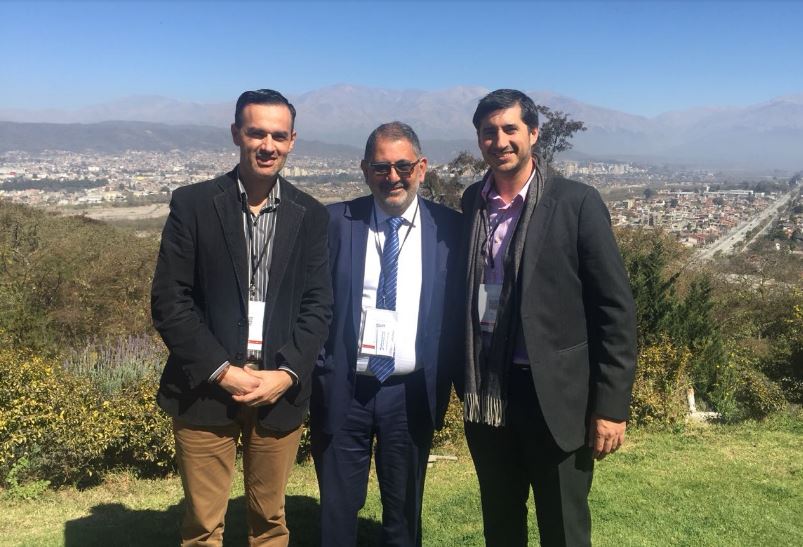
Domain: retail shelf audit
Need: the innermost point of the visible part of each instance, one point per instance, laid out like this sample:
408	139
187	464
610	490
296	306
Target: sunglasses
403	168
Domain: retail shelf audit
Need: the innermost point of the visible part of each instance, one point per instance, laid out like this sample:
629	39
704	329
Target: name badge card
256	314
487	305
379	333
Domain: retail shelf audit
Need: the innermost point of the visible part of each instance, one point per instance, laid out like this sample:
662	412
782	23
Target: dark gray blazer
575	310
200	295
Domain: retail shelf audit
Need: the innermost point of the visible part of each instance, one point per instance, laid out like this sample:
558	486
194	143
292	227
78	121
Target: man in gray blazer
550	334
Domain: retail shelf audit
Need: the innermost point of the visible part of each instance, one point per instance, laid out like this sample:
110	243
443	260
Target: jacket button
242	323
238	356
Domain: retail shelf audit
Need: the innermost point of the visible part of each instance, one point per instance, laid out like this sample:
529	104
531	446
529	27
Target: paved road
726	244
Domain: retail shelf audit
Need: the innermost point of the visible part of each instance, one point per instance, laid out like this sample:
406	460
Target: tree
555	133
693	326
466	164
446	192
650	258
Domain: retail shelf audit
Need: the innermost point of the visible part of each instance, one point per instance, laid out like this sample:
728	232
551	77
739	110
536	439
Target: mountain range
766	135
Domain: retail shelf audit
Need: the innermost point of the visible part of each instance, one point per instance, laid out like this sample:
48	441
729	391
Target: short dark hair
507	98
396	131
262	96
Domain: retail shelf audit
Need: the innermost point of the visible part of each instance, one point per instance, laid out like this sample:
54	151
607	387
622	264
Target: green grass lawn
708	485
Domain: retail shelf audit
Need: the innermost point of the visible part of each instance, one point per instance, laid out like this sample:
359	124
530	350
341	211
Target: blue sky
644	58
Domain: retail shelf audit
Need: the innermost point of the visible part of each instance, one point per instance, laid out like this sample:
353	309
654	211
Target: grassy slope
716	485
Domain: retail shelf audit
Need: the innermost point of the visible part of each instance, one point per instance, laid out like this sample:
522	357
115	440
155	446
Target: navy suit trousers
395	413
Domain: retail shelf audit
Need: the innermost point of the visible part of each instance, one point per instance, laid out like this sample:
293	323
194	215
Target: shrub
784	364
757	396
59	427
23	490
305	443
659	392
742	391
66	279
144	441
452	430
112	365
126	371
51	419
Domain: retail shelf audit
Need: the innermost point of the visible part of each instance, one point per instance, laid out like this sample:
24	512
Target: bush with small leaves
452	431
52	419
144	441
659	392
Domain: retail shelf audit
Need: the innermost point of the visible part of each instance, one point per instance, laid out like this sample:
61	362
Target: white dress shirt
408	288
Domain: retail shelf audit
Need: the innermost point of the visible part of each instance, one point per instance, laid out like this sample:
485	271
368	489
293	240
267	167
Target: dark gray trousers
521	455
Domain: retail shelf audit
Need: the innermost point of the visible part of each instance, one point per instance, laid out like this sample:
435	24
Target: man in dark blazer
242	298
353	400
550	334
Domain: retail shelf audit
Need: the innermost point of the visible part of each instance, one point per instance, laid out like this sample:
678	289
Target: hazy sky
638	57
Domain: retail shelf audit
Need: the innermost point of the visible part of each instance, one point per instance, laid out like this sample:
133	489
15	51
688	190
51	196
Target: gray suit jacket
575	310
199	300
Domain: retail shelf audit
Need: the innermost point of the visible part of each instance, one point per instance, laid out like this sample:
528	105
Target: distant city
698	206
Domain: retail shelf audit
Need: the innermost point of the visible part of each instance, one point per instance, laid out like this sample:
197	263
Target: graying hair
394	131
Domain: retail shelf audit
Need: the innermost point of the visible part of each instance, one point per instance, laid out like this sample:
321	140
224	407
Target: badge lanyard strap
257	260
406	235
489	235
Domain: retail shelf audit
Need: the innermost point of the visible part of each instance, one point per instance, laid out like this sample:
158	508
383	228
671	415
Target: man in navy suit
385	369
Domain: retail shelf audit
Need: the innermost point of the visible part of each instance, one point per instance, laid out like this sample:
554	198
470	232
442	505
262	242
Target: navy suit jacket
439	344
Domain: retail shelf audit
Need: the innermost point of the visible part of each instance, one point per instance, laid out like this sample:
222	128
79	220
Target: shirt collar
489	192
273	198
408	215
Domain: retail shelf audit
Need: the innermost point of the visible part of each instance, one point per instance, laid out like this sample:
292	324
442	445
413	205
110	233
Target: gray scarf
485	399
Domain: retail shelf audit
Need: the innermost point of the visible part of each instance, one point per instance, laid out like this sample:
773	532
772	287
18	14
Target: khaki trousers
206	457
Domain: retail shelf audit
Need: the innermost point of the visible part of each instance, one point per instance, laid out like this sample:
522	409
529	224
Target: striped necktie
382	367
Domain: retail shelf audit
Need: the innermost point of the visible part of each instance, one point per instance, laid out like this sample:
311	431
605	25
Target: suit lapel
536	233
288	222
359	214
229	210
429	263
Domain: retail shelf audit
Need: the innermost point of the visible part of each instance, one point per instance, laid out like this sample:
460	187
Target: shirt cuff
217	372
291	373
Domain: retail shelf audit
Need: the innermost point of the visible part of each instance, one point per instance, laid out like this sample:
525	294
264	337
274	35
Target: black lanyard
256	257
406	235
489	235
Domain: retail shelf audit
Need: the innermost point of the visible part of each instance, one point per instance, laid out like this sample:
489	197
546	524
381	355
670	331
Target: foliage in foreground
72	422
60	427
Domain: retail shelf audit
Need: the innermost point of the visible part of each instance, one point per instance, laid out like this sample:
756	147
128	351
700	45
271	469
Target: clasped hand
256	387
